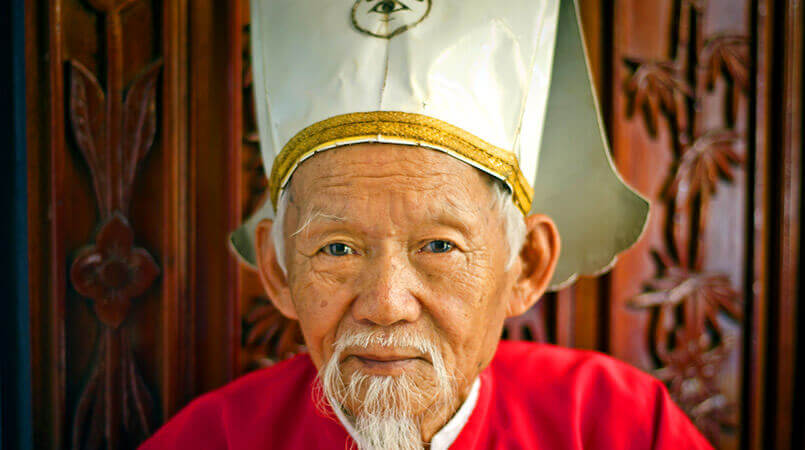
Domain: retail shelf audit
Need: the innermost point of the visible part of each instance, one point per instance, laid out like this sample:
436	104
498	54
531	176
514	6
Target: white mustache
379	338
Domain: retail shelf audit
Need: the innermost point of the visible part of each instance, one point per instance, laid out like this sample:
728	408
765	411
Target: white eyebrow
314	215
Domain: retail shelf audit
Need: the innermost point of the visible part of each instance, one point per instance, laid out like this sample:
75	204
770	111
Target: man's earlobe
275	281
537	261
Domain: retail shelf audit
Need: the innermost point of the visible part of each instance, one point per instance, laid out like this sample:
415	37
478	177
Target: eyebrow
448	214
452	217
314	215
457	211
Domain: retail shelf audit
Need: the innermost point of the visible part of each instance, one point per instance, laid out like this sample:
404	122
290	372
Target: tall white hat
503	86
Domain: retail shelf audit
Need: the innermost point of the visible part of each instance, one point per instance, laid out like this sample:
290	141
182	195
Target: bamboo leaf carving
689	303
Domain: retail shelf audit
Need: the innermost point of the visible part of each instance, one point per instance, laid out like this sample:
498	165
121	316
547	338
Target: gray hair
514	228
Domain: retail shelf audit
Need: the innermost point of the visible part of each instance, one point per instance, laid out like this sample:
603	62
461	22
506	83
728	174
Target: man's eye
439	246
338	249
388	7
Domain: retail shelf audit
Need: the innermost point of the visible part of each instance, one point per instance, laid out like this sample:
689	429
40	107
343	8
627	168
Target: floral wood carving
113	132
689	304
113	271
269	336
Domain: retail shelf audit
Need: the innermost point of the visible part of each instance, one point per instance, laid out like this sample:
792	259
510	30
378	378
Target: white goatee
390	411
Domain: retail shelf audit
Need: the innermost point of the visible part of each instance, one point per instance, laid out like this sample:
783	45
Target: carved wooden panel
143	156
103	120
682	85
123	173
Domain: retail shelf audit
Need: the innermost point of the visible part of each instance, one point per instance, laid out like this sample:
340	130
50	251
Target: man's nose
387	292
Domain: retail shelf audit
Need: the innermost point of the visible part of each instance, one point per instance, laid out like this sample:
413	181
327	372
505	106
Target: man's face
403	241
399	237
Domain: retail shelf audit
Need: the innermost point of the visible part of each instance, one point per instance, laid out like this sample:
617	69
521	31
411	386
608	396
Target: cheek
467	305
466	278
459	299
321	299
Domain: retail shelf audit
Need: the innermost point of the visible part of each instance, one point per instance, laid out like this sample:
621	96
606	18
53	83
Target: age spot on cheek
323	304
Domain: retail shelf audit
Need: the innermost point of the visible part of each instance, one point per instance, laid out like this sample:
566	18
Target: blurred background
121	301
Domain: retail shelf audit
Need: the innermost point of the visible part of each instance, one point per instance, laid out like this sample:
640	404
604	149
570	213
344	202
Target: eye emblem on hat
388	18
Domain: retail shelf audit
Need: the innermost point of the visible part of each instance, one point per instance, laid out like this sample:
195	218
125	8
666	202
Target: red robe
532	396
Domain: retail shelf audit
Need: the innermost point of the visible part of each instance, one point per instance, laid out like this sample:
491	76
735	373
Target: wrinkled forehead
370	175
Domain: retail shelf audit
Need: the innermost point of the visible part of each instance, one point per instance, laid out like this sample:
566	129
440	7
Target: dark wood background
143	155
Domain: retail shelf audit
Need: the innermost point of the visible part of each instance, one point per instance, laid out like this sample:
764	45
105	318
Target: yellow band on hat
416	129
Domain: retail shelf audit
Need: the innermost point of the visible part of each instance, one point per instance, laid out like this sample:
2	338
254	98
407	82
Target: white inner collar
445	437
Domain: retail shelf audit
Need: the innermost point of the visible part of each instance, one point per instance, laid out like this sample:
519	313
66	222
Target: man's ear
274	279
537	262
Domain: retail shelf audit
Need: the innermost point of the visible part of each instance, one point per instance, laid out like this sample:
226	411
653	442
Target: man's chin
386	395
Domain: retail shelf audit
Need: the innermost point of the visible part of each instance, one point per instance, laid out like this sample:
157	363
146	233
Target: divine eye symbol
388	18
388	7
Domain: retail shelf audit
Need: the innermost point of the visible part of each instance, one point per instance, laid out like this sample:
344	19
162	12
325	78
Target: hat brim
598	215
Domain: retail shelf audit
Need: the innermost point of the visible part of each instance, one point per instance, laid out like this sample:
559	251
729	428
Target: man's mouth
385	364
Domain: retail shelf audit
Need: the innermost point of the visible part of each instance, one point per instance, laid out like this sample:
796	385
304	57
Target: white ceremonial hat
503	86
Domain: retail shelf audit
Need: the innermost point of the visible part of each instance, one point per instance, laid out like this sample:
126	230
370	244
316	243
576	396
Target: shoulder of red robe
269	408
540	396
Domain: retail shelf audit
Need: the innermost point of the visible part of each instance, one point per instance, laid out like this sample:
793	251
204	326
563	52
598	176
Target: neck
433	421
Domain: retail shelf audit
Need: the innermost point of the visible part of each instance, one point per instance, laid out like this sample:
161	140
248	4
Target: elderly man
407	221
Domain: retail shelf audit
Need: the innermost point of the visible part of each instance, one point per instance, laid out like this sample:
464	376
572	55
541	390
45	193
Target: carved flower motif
113	271
711	157
271	335
691	376
689	341
656	87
